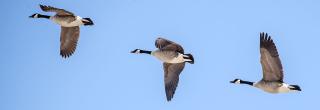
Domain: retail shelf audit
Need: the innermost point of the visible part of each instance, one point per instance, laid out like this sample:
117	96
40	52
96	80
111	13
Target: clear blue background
223	36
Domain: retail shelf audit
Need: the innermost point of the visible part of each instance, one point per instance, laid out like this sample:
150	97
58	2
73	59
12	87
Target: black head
295	87
87	21
36	15
236	81
136	51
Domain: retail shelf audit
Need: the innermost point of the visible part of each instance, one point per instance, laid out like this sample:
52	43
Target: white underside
74	23
178	59
285	88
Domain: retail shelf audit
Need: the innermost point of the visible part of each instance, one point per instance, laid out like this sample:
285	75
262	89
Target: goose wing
164	44
270	61
68	40
171	77
57	10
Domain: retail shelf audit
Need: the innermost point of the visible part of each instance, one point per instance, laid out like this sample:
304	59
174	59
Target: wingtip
169	98
41	5
65	55
159	38
44	7
265	37
263	34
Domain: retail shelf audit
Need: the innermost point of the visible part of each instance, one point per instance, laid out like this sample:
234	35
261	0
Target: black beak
234	81
32	16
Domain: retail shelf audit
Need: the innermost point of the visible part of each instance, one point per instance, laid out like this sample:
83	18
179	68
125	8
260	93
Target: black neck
145	51
246	82
43	16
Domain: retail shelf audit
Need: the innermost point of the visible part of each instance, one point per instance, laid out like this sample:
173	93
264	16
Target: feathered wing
164	44
57	10
171	70
270	61
68	40
171	77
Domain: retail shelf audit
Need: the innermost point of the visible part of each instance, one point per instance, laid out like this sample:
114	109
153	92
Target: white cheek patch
137	52
36	16
237	82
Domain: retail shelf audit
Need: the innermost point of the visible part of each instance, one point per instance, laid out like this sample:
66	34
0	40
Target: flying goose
173	58
69	27
272	80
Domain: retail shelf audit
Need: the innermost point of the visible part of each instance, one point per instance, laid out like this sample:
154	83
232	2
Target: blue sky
222	35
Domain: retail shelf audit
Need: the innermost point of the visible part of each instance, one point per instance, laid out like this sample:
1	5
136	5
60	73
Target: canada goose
272	80
69	27
173	58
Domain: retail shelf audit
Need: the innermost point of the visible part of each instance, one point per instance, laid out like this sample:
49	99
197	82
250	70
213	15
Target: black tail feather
189	57
86	23
295	87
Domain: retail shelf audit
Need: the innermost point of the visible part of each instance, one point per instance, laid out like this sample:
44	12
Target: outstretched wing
68	40
53	9
171	77
164	44
270	61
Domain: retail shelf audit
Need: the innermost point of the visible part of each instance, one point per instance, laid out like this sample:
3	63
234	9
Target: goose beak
133	51
32	16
